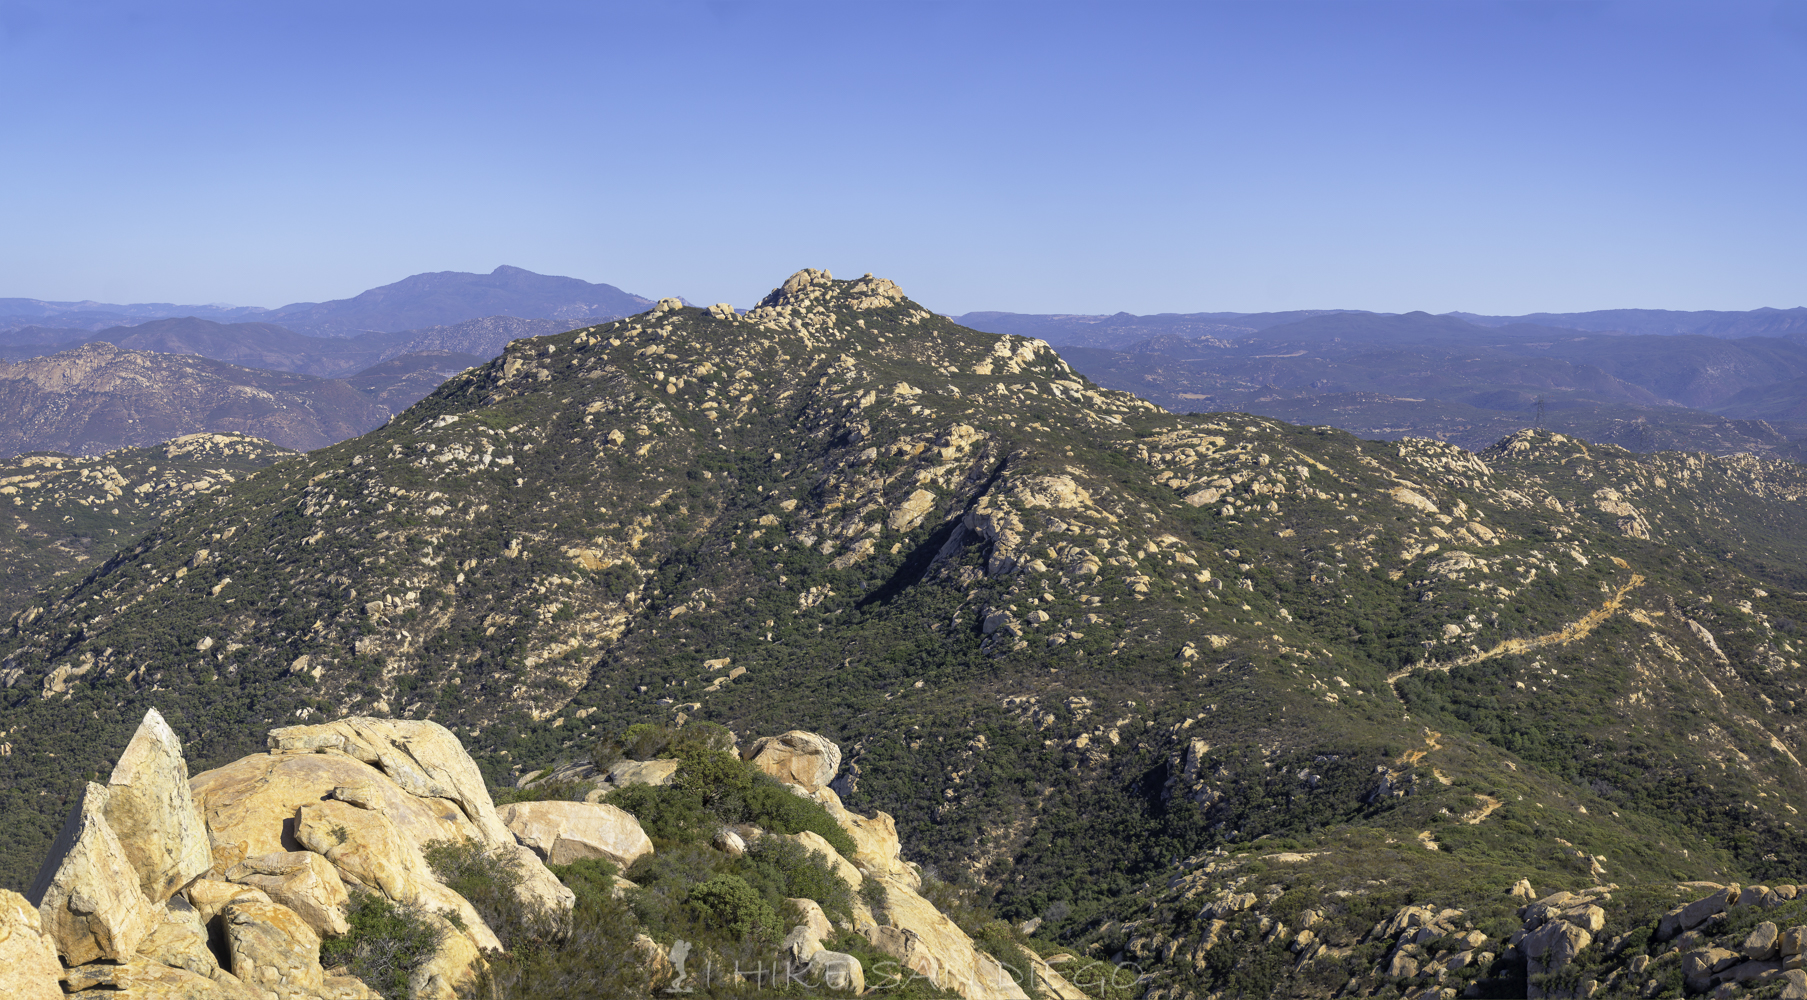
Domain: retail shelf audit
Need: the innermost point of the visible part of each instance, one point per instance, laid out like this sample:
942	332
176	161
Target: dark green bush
669	815
488	879
728	902
386	944
590	879
785	869
551	791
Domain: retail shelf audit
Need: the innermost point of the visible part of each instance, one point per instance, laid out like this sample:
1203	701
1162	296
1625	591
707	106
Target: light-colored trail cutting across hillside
1578	629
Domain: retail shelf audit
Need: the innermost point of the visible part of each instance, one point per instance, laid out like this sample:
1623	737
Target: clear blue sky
1038	157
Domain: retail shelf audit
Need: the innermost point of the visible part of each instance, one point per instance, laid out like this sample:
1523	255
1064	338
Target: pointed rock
152	813
88	893
28	966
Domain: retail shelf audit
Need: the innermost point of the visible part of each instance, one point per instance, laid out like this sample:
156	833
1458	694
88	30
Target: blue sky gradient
1036	157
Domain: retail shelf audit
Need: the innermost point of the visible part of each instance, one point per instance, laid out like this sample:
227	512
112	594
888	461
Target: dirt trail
1578	629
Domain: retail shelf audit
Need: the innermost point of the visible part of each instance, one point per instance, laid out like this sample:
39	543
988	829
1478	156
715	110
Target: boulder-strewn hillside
63	514
1077	646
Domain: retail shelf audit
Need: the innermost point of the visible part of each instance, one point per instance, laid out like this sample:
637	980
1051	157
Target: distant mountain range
437	298
266	345
1120	330
1460	379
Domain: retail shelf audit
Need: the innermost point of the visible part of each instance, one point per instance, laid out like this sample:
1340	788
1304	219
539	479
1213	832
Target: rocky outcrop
796	758
150	810
273	949
179	940
28	963
262	851
352	806
416	773
563	832
302	881
88	894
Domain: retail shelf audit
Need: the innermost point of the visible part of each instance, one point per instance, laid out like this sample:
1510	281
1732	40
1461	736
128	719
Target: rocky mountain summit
229	883
1076	646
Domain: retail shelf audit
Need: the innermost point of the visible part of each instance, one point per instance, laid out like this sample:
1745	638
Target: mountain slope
62	513
1069	640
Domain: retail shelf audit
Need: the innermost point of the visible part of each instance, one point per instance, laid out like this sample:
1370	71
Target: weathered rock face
273	949
876	847
425	763
364	845
179	940
797	758
838	971
88	894
813	918
209	896
421	757
302	881
911	930
152	813
563	832
151	981
28	962
642	772
366	849
438	978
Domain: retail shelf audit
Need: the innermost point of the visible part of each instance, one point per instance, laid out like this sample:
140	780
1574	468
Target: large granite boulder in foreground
259	855
88	894
28	965
223	886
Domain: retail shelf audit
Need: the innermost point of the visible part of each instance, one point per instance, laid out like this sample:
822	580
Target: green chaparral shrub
589	952
487	879
1003	943
713	788
591	880
386	943
669	815
562	791
785	869
728	902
